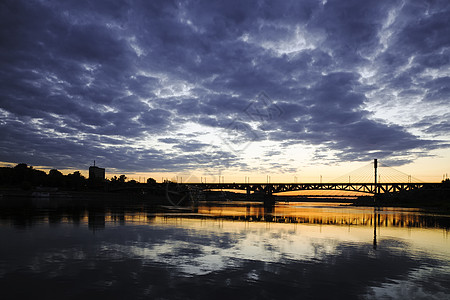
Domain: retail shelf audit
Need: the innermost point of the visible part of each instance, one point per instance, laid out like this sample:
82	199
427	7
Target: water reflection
319	213
375	214
26	212
115	249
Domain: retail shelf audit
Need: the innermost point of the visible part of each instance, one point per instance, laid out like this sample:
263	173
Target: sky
229	90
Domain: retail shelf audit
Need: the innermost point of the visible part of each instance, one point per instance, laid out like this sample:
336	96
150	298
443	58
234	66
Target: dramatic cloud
147	85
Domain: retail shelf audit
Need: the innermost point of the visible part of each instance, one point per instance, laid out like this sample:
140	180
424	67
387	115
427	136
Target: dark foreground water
77	249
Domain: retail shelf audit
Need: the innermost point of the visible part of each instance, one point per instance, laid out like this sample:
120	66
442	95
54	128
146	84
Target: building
96	173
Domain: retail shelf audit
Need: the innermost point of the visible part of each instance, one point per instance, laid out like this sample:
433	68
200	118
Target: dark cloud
169	140
191	146
435	125
85	79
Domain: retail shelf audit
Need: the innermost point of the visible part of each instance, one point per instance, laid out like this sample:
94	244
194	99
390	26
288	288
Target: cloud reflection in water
175	257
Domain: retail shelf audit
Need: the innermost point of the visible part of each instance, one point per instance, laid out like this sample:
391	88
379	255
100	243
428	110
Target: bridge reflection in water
115	248
103	214
323	213
298	213
319	213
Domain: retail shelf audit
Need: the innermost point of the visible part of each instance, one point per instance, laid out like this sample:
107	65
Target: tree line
26	177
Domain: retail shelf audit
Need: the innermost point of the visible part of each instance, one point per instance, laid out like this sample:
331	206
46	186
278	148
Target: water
77	249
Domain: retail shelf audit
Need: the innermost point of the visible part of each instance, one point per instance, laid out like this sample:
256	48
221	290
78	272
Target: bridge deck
271	188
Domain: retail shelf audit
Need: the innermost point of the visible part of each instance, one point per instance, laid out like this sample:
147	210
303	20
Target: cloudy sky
237	88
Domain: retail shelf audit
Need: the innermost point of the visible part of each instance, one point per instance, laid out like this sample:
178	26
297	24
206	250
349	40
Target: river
79	249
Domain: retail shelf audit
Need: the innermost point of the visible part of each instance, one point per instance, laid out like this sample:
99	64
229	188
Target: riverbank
432	200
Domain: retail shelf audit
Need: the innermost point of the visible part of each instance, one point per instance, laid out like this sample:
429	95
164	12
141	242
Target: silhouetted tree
151	181
21	166
55	173
122	178
23	176
75	180
21	173
55	178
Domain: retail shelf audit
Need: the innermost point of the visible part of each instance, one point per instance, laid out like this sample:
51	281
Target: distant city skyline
294	90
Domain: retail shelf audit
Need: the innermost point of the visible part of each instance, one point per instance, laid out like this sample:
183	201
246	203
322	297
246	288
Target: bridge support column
375	196
269	200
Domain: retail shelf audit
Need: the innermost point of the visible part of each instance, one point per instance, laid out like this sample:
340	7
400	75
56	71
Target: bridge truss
273	188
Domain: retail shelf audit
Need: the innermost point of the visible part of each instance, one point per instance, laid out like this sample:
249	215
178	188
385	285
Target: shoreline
430	200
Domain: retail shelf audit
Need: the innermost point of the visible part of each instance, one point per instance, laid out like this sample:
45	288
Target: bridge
372	179
273	188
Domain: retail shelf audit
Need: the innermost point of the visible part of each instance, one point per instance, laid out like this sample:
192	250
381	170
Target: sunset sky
290	89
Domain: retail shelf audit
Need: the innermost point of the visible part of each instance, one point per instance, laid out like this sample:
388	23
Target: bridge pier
269	199
376	190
